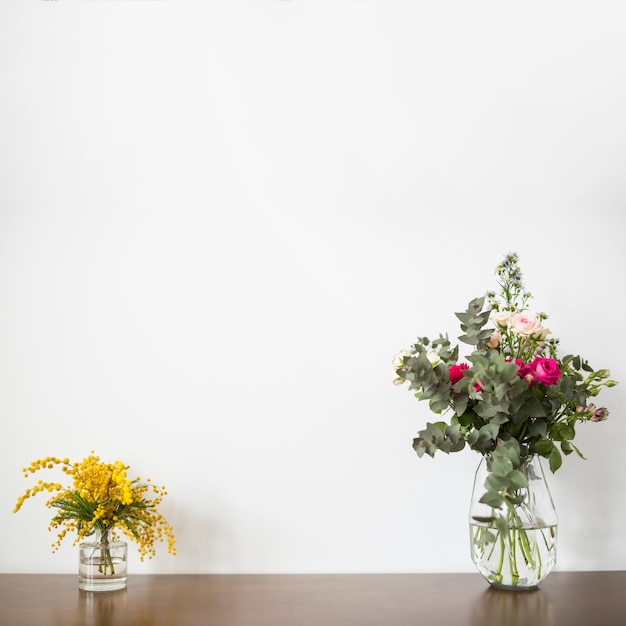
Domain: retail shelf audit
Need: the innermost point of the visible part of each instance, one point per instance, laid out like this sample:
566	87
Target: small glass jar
102	564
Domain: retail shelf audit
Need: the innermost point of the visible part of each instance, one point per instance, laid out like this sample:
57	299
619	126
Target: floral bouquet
101	501
512	400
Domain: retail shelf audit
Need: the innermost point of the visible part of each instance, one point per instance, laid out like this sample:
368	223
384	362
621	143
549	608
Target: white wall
220	220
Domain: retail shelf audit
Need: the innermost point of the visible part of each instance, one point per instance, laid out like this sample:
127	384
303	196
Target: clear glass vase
102	564
514	547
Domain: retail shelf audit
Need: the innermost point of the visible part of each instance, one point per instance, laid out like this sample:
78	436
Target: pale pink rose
528	326
496	339
501	318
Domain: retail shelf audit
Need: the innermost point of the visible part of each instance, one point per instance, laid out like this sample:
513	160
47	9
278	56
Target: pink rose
545	371
522	369
456	372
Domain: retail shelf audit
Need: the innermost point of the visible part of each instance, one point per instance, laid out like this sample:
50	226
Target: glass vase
102	564
514	547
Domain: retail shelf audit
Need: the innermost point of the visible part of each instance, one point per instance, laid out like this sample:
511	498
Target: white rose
433	357
501	318
398	359
528	326
543	334
396	380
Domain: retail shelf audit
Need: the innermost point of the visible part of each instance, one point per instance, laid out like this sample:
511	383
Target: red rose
456	372
545	371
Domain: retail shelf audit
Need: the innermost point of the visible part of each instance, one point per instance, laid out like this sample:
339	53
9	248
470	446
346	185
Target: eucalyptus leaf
492	499
516	479
502	525
511	450
497	483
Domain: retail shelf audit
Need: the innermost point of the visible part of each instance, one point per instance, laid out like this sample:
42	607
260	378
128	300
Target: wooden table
567	599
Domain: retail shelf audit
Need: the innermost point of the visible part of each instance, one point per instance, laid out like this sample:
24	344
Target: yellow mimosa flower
102	499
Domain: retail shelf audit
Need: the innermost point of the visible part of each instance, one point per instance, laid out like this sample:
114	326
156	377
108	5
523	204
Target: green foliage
472	322
505	478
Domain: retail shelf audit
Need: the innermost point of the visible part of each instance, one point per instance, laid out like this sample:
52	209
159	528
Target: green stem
498	575
526	549
513	556
105	551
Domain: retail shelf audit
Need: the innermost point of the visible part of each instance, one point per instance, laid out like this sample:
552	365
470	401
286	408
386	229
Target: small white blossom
501	318
398	359
397	380
433	357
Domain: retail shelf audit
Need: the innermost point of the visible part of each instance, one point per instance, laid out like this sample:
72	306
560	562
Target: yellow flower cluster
103	499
